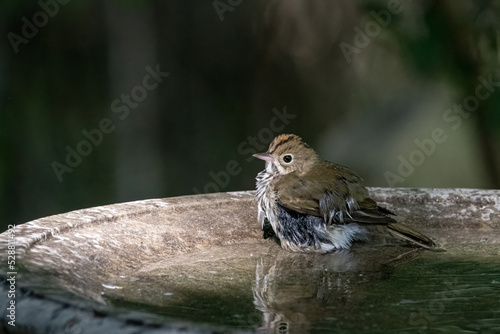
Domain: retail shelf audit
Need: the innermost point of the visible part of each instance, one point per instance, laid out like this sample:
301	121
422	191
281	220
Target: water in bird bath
398	290
164	265
262	288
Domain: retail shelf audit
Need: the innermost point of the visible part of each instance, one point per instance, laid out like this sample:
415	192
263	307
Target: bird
314	205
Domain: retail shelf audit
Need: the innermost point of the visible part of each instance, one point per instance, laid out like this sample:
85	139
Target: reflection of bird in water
292	287
296	291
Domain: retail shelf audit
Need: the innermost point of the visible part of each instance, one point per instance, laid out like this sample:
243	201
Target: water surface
365	290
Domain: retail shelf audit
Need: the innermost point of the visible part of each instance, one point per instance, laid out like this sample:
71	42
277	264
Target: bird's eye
287	158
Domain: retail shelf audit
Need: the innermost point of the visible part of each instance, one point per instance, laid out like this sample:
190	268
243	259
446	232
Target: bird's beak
264	156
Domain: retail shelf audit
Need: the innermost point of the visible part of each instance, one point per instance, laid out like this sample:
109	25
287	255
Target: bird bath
200	264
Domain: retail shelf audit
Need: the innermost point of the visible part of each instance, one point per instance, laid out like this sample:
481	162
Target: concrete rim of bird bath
86	250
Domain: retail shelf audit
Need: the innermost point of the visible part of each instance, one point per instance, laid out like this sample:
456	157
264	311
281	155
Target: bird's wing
335	195
327	195
369	212
299	195
339	196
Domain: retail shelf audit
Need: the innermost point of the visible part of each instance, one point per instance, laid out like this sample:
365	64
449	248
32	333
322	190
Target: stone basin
166	264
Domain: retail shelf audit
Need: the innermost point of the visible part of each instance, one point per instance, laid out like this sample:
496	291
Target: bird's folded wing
299	195
369	216
326	200
308	196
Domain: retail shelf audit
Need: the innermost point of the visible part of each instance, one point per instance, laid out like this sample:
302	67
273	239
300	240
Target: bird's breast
266	196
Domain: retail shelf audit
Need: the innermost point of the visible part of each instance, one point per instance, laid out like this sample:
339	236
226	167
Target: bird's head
287	153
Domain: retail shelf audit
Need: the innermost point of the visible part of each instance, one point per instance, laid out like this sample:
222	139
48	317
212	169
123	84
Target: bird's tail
403	231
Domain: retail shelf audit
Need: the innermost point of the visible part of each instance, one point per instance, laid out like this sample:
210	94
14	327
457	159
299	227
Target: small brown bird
314	205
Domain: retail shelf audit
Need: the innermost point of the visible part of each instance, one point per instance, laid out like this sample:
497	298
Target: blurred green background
404	92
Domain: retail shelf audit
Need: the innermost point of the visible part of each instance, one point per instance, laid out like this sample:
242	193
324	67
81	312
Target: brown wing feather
298	194
320	191
326	189
411	235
